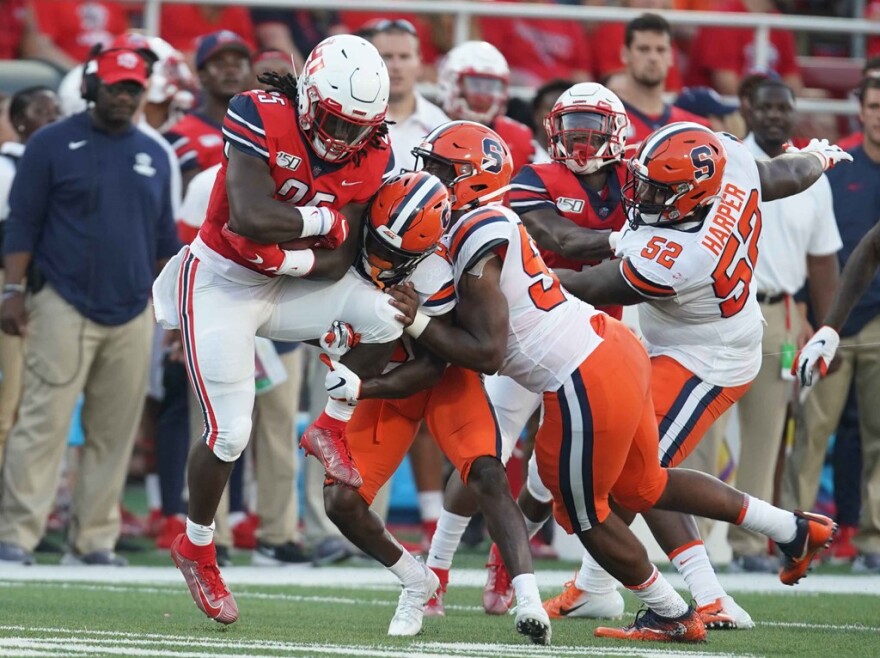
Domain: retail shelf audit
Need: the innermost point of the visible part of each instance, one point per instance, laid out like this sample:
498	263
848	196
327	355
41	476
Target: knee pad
534	485
233	439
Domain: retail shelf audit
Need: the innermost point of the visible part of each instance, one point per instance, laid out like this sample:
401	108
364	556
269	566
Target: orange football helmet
402	226
676	172
471	159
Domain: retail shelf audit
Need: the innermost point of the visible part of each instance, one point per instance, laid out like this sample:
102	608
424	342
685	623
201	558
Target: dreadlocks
283	84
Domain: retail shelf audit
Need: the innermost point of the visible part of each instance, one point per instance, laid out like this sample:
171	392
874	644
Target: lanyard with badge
788	348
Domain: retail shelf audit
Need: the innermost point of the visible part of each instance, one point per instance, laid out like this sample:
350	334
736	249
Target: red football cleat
814	534
651	627
329	446
198	564
498	591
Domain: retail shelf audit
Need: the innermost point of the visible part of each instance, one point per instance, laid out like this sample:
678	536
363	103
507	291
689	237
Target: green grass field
63	615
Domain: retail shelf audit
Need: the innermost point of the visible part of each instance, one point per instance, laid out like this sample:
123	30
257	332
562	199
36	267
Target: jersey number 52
733	273
545	293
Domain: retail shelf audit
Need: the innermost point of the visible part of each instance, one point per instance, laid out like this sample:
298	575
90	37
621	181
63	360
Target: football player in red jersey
297	161
474	81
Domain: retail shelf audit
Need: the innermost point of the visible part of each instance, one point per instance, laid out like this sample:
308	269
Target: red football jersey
264	125
197	142
554	187
641	125
519	139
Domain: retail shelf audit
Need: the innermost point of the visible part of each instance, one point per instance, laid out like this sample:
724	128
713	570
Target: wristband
418	326
18	288
823	159
315	221
297	263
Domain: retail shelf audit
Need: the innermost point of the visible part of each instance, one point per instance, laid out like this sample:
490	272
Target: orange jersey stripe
464	229
641	284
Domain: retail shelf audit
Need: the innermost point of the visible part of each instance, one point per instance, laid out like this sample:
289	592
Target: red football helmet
471	159
676	172
402	226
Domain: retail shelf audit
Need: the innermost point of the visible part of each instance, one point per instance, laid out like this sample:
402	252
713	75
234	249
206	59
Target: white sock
657	594
532	527
692	562
447	537
525	586
339	410
154	492
409	571
200	535
430	505
592	578
760	516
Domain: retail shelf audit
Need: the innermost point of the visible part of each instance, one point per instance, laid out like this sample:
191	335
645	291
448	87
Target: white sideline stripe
80	642
388	603
361	578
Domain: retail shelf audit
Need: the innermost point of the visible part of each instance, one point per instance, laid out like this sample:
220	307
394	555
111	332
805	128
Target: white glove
818	352
339	339
342	384
828	154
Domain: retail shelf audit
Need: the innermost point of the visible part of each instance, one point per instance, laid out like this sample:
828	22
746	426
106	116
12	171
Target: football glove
341	382
827	153
270	259
339	339
817	353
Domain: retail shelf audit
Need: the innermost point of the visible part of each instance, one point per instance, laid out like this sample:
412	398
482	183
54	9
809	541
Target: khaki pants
66	355
761	412
276	449
860	367
11	366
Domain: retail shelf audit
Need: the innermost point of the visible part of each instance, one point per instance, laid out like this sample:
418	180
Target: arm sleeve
29	198
825	238
243	127
528	192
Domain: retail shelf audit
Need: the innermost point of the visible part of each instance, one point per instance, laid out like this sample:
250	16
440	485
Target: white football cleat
574	602
533	622
410	611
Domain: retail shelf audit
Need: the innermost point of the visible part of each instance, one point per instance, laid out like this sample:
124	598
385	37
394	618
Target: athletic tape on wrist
297	263
315	221
419	324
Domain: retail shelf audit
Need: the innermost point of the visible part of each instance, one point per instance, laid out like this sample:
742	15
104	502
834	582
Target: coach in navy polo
90	223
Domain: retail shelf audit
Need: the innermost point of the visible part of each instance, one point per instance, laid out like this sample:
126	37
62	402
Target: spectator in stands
799	241
91	222
647	54
271	59
857	207
542	102
871	69
608	38
720	56
184	25
706	103
20	36
295	31
362	23
77	26
539	49
29	110
413	115
223	63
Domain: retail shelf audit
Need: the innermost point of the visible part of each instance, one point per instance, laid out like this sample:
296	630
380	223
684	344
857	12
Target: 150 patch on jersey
567	204
287	160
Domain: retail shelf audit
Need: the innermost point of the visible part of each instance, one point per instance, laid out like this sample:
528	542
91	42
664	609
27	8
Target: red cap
121	64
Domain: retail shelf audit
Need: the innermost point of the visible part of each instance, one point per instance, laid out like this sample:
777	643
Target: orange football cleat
651	627
814	534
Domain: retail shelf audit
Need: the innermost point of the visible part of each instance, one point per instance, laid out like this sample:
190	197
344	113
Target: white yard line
360	578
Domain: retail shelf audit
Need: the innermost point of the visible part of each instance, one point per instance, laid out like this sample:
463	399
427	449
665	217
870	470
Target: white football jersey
701	308
549	332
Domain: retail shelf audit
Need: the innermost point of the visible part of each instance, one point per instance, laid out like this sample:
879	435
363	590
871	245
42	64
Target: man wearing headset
90	225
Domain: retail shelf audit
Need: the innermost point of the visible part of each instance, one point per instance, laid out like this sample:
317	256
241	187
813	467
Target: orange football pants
686	407
458	413
599	435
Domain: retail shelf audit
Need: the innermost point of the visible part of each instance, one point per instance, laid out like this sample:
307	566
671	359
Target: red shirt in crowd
539	49
732	49
13	15
75	27
182	25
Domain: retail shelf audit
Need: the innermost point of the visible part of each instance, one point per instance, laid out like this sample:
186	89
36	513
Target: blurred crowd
102	362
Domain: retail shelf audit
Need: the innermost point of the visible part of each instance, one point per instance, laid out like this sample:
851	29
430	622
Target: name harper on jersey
725	218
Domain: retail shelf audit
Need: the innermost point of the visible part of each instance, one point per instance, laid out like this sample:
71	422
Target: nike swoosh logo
212	610
820	342
333	388
257	260
566	611
349	183
75	145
